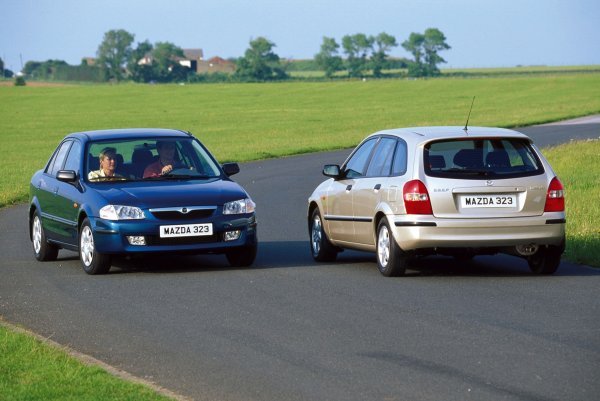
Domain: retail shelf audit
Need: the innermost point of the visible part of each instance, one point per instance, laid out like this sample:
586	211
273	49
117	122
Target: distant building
194	60
91	61
216	64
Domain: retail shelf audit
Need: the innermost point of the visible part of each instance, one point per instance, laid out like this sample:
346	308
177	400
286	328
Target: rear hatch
484	178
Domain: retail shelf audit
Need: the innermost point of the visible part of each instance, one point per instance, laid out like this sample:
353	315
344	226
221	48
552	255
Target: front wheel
242	256
92	261
42	250
546	260
391	260
321	248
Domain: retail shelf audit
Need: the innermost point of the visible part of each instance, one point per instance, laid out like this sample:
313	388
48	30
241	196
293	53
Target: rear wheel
320	247
42	250
546	260
92	261
391	260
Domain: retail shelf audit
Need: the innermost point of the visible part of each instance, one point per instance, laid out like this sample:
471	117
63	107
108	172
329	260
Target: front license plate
186	230
488	201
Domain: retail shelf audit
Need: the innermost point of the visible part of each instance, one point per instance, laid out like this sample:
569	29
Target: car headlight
239	206
118	212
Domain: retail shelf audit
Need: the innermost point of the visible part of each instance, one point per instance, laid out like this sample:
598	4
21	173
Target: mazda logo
184	210
489	183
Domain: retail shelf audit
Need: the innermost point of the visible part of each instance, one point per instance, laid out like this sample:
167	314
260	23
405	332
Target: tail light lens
416	198
555	199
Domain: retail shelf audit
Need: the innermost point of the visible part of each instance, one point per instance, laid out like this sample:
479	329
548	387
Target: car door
367	191
68	198
340	214
47	188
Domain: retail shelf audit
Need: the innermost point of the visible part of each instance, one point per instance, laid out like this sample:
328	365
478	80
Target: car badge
489	183
184	210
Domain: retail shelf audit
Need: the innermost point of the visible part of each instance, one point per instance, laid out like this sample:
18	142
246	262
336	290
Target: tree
356	48
114	52
164	62
327	59
140	72
260	62
425	48
384	43
434	42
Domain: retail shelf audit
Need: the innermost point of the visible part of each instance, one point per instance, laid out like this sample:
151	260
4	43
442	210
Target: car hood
154	194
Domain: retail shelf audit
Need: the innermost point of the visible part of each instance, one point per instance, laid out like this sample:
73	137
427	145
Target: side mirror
230	169
69	176
332	170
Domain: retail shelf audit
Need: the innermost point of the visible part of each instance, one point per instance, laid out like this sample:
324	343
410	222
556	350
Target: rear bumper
419	232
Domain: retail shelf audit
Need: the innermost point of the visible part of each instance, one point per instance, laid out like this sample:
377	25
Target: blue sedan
138	191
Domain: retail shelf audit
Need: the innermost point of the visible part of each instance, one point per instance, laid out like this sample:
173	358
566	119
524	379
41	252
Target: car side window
381	162
399	167
74	157
59	158
358	162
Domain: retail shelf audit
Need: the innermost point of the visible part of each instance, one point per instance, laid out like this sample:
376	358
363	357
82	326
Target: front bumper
110	237
423	232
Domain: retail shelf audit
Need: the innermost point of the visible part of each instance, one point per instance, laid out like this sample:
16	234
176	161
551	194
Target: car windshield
149	159
481	158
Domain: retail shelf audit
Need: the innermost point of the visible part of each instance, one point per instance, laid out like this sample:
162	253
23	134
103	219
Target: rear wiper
467	171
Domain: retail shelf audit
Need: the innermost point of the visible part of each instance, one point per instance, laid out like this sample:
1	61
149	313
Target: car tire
42	249
321	249
243	256
546	260
92	261
391	260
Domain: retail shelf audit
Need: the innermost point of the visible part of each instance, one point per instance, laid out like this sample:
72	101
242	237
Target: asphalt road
290	329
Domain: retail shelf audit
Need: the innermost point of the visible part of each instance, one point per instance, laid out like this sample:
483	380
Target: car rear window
475	158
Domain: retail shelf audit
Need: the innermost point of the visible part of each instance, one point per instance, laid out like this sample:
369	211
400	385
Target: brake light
416	198
555	199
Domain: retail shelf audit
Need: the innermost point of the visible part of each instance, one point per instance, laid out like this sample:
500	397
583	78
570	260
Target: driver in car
166	160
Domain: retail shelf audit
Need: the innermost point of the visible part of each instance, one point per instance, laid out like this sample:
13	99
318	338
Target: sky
481	33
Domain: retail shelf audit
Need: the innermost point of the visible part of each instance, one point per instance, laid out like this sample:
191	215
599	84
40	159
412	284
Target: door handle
377	187
349	187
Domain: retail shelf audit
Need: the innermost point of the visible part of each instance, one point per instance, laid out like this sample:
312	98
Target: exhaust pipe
527	250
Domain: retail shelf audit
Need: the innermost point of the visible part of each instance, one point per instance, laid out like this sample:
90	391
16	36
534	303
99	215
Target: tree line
359	55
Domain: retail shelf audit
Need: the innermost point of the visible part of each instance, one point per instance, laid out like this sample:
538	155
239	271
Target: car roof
426	134
129	133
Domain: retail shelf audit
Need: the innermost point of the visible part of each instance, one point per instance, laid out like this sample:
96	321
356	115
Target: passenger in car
108	165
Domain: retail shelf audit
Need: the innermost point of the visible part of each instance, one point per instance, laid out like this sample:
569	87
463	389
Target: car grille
178	215
156	240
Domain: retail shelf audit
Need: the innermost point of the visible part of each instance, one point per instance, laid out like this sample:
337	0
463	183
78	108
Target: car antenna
469	116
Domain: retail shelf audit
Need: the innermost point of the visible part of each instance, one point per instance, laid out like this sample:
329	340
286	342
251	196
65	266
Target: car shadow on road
488	266
296	254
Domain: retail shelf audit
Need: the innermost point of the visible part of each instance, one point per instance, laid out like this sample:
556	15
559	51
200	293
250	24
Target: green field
241	122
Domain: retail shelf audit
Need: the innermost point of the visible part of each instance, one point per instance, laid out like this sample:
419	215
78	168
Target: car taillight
555	199
416	198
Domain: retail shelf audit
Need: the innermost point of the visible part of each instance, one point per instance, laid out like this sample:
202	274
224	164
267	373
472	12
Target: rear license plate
488	201
186	230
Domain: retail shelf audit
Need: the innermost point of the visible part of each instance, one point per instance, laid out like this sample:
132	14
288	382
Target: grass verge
577	165
33	370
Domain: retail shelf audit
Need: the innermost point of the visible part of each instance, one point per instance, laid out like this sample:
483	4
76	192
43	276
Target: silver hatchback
440	190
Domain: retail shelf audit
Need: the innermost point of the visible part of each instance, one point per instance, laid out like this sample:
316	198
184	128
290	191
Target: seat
140	159
497	158
93	163
437	162
468	158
